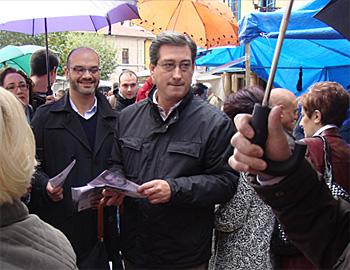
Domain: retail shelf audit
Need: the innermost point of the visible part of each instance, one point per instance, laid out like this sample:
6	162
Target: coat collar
106	117
63	105
185	101
12	213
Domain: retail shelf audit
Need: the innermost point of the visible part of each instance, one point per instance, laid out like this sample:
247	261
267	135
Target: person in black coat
125	93
176	148
316	223
79	126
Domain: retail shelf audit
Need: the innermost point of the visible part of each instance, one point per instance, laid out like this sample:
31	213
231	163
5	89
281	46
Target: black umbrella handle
260	126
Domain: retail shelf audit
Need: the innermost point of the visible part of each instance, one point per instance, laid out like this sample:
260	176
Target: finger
244	163
146	186
242	123
110	192
244	146
276	137
117	200
155	201
57	198
156	198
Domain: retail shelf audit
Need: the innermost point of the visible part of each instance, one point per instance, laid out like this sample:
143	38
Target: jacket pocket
131	143
191	149
131	151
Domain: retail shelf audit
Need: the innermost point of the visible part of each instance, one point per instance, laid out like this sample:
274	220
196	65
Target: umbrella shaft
282	31
47	59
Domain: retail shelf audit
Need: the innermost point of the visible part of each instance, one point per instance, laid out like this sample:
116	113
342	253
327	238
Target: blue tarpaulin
321	52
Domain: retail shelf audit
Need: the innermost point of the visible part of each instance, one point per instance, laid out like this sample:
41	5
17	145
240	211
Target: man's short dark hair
172	39
199	89
128	71
38	62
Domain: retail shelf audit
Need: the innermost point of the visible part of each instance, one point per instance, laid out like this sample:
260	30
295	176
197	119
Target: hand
95	200
49	99
156	191
55	193
247	157
112	197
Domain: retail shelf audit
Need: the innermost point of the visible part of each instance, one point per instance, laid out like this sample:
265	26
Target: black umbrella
336	15
98	258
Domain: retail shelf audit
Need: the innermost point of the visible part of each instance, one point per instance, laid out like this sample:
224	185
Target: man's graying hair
172	39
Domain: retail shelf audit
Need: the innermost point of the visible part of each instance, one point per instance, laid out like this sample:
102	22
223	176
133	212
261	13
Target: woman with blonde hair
26	241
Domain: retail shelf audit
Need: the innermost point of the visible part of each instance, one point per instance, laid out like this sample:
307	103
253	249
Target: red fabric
142	93
299	262
340	155
341	166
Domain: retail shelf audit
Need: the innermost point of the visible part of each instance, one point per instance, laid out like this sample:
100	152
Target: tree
98	42
63	42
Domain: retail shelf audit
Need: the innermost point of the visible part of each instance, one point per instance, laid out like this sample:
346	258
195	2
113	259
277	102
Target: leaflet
59	179
82	196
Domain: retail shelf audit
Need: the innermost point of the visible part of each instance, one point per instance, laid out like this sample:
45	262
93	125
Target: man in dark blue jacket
176	147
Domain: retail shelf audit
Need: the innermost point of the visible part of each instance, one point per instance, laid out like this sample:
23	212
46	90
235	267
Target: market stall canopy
320	59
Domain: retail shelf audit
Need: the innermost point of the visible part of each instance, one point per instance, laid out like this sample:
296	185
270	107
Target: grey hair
172	39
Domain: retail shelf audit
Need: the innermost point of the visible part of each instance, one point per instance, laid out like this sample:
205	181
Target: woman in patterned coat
243	226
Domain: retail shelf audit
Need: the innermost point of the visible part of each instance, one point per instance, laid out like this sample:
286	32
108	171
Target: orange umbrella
209	23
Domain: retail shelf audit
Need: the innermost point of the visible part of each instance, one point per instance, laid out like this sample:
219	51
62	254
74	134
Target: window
268	5
125	56
235	6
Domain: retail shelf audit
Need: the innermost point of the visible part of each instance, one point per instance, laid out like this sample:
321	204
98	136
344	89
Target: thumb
277	147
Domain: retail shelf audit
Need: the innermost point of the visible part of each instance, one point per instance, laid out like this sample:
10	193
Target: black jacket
190	151
60	138
314	221
122	103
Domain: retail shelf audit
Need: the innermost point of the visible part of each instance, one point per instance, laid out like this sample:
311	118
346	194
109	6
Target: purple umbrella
42	17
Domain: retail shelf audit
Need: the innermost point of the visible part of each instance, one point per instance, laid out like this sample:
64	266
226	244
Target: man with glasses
79	126
176	148
125	94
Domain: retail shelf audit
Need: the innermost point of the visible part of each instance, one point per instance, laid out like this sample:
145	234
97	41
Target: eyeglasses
81	70
170	66
13	87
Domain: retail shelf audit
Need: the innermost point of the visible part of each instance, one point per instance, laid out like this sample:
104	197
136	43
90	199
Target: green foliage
98	42
63	42
12	38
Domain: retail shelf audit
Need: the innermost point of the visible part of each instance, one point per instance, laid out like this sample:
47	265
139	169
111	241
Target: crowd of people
204	200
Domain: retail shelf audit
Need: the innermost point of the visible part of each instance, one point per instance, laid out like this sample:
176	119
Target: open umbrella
336	15
18	57
210	23
38	17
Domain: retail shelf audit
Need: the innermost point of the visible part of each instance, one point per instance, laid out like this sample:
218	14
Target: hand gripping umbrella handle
274	168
